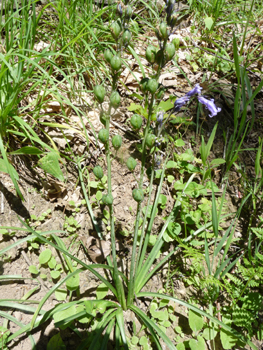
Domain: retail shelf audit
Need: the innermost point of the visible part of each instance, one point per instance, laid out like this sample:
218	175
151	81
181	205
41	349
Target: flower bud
99	93
98	172
136	121
119	9
163	31
115	99
116	141
173	19
169	51
131	163
115	63
128	12
107	199
126	37
103	135
108	55
150	54
152	86
143	84
137	195
115	29
150	140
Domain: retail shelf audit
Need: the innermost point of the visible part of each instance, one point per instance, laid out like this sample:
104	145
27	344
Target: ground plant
182	229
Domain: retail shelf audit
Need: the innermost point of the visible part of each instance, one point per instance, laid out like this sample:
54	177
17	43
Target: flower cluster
209	104
171	14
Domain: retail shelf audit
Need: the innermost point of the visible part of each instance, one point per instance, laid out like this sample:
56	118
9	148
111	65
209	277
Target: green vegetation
64	59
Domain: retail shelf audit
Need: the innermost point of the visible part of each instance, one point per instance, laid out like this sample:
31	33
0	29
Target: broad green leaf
86	319
62	315
98	195
61	294
33	269
198	344
52	263
227	339
217	161
50	164
171	164
179	143
195	321
102	291
55	274
73	282
180	346
44	256
27	150
209	333
208	22
56	343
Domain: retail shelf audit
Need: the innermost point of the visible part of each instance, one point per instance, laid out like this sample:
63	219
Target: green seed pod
176	42
131	163
116	141
103	135
150	140
143	84
115	63
98	172
137	195
159	57
107	199
99	93
103	118
160	93
136	121
128	12
169	51
150	54
115	99
163	31
108	55
126	37
115	29
152	86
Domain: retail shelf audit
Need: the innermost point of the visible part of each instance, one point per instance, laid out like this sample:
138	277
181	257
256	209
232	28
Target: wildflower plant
106	316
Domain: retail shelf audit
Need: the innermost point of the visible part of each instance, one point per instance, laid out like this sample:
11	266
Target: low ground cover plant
199	233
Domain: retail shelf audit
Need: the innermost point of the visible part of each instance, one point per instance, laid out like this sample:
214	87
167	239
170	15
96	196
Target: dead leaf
97	249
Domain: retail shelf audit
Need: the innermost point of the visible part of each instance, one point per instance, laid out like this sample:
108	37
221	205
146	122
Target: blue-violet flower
210	105
159	118
196	90
180	102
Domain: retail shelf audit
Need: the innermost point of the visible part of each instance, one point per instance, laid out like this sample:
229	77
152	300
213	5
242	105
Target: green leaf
93	184
179	143
33	269
171	164
52	263
217	161
45	256
252	301
56	343
227	339
209	333
195	321
73	283
3	168
134	340
198	344
55	274
180	346
102	291
50	164
62	315
27	150
98	195
208	22
61	294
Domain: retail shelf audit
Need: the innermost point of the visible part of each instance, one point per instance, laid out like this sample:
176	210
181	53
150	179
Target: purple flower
210	105
159	118
180	102
196	90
